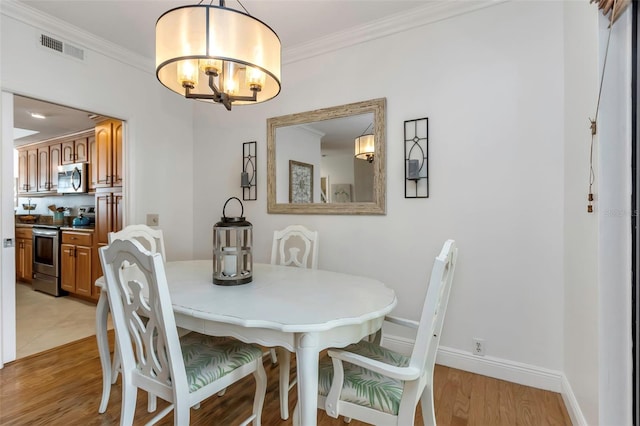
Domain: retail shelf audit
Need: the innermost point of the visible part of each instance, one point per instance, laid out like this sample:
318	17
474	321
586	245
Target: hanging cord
594	126
222	3
245	9
365	130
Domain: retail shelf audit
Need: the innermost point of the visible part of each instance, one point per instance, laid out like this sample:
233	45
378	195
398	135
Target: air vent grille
60	46
51	43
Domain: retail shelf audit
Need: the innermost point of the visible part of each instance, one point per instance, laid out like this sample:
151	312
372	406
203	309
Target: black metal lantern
232	241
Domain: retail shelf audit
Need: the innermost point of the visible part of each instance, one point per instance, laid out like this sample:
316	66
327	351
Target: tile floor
44	322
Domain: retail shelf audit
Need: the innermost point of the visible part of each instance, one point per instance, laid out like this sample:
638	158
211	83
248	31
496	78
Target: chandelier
365	146
216	54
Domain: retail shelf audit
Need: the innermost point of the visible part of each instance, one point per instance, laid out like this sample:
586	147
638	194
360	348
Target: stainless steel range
46	259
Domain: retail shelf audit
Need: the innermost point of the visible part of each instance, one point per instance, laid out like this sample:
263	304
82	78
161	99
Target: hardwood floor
63	386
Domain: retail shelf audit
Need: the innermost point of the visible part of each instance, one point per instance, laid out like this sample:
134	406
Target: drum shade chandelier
216	54
365	146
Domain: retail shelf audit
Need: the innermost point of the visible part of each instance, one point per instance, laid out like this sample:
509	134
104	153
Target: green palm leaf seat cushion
365	387
208	358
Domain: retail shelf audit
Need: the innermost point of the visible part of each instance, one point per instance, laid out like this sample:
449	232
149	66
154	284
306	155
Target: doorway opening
42	320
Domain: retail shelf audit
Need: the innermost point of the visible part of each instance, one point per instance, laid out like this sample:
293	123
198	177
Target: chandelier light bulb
188	73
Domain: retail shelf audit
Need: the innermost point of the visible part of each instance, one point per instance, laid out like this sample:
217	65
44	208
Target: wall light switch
153	220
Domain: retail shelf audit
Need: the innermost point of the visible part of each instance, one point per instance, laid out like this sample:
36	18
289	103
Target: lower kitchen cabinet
75	262
24	254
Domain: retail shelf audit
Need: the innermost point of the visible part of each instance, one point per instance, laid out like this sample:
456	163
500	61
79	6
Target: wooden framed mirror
337	182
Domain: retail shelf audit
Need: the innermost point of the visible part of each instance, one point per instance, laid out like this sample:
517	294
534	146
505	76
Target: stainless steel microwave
72	178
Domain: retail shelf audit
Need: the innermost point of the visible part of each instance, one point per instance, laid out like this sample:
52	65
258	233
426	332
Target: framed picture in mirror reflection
300	182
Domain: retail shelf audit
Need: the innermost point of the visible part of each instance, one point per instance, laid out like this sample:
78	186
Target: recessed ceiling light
37	115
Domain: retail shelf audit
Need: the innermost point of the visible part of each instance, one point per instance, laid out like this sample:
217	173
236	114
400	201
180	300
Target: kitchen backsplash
42	203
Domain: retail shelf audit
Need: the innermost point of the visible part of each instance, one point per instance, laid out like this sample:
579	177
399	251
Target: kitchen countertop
90	228
78	228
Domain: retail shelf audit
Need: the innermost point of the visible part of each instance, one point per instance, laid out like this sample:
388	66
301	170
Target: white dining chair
152	240
296	246
183	371
290	242
373	384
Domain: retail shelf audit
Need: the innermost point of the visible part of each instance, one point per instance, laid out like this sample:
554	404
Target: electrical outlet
153	220
478	346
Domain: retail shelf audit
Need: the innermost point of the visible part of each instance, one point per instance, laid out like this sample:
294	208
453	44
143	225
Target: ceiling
130	24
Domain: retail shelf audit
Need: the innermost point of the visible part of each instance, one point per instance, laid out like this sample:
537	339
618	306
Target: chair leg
115	366
102	313
152	402
428	411
285	371
296	416
181	413
274	357
128	408
261	390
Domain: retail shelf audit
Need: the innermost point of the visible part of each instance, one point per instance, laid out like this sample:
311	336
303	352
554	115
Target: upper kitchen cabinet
49	158
38	163
106	155
76	150
27	170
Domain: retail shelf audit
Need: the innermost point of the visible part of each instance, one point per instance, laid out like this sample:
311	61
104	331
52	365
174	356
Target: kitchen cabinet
23	167
109	218
24	254
49	158
76	150
76	262
106	155
38	164
27	170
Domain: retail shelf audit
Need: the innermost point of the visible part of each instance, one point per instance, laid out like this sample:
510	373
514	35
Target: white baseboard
502	369
570	401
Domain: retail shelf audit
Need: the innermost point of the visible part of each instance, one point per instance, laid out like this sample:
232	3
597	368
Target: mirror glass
312	165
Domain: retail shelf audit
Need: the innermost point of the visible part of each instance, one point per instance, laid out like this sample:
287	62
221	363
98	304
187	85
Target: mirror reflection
328	161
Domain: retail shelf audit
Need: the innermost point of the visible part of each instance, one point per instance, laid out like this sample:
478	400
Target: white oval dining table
302	310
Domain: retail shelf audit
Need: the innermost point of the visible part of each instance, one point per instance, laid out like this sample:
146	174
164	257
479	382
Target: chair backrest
289	242
435	306
150	238
143	318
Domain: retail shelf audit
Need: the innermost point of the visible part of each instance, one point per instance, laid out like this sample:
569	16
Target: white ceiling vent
54	44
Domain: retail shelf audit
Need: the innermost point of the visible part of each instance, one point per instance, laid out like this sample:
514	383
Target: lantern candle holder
232	255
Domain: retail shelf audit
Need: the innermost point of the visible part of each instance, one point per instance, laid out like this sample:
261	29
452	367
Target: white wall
580	227
491	83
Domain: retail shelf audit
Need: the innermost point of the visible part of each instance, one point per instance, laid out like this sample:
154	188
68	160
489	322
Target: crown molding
431	12
74	35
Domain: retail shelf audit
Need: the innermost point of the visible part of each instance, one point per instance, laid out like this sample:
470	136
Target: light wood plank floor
62	386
